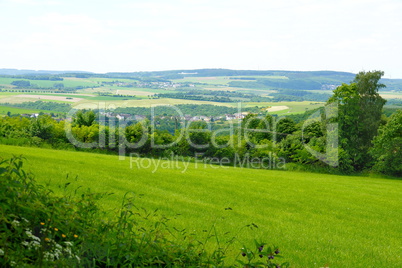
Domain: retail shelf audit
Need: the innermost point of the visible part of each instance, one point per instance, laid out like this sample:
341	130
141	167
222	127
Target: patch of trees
185	109
108	94
278	83
299	95
394	102
186	96
21	83
42	105
214	95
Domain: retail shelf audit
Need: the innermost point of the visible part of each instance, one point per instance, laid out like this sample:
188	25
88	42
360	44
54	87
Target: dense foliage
360	108
387	148
185	109
42	105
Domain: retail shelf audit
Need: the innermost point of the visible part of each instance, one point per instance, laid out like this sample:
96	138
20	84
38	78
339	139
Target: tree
387	150
83	118
59	86
43	127
360	108
21	83
284	127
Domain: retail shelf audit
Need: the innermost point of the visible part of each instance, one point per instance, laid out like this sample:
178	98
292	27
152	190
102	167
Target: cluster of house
123	116
30	115
161	85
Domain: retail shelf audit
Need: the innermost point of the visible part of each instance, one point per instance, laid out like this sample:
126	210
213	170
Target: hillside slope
315	219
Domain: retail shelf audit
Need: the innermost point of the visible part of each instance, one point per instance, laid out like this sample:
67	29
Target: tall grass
39	229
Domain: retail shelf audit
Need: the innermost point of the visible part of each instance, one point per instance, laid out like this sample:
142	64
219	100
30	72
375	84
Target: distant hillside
268	79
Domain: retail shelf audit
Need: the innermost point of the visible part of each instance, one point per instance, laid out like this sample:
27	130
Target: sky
153	35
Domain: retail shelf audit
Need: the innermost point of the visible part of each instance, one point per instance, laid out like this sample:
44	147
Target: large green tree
387	150
360	107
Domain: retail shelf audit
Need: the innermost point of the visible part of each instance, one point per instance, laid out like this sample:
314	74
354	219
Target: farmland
317	220
299	91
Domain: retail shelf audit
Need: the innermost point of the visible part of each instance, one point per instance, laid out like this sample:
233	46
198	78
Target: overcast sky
123	35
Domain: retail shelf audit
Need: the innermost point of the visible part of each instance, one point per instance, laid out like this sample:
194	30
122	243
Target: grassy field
5	109
294	106
317	220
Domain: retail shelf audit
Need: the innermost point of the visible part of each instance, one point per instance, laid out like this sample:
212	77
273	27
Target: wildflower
270	257
75	236
56	229
69	244
261	248
63	235
243	254
47	239
15	223
261	255
277	251
42	223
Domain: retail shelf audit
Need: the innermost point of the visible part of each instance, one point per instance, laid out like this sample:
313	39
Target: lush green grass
13	110
315	219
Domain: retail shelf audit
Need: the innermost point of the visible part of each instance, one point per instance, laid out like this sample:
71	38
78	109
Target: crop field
4	110
391	95
294	107
316	220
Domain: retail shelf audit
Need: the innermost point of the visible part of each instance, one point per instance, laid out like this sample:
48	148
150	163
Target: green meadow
317	220
5	109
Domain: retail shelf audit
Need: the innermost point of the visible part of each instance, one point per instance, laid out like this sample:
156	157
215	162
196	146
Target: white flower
69	244
35	244
15	223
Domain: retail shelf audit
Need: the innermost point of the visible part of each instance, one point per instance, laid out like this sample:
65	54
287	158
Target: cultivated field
4	110
316	220
283	108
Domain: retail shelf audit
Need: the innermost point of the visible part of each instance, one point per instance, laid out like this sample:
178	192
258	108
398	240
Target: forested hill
344	76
